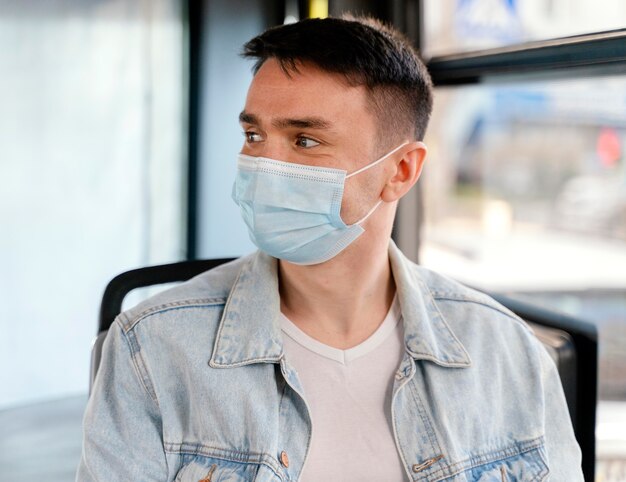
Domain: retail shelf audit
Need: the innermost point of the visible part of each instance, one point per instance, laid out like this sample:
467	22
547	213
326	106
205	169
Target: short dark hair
366	52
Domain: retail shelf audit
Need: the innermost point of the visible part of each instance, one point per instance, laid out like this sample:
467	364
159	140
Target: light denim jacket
193	386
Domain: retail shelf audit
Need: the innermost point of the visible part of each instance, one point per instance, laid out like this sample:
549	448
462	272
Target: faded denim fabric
193	386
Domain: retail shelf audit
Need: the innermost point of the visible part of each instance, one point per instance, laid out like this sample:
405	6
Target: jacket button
284	459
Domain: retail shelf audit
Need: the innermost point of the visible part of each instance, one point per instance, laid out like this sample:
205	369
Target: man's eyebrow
246	118
303	123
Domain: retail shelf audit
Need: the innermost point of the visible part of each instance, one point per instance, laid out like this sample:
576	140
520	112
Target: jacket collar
427	335
249	331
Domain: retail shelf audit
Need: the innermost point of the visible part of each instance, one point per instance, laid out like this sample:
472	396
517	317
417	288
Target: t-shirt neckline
345	356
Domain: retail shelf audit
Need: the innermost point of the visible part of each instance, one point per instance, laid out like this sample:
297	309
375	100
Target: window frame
600	53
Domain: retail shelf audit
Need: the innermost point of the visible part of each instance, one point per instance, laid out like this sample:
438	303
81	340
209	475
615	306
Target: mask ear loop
369	213
376	162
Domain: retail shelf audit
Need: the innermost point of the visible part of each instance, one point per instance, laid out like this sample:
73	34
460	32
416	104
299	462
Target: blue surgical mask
293	210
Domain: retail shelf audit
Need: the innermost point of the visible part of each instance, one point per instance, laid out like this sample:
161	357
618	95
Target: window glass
525	193
91	164
463	25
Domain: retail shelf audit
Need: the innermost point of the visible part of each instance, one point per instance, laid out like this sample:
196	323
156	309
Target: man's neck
343	301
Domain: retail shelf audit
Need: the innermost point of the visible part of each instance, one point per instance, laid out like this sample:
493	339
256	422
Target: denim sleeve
122	429
563	452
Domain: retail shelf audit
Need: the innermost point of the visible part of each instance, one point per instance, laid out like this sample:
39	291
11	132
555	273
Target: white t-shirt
349	395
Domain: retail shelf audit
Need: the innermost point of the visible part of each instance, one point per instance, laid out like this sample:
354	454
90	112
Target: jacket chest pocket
525	467
199	468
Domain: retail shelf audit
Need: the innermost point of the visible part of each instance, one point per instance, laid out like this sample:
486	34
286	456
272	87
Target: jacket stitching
487	305
218	336
429	357
248	361
432	436
310	437
224	454
463	351
541	476
178	305
283	396
213	451
486	458
139	365
396	422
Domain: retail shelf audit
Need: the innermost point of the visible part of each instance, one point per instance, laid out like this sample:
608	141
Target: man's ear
408	169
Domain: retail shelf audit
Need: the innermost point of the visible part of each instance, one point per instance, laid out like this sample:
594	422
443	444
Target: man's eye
252	137
306	142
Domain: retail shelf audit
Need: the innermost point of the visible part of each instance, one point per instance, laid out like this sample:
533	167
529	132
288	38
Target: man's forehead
294	70
304	79
308	97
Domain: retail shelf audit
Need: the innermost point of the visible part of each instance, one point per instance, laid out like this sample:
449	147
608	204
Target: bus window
452	26
525	193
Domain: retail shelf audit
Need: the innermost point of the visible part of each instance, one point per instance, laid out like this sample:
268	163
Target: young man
327	355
